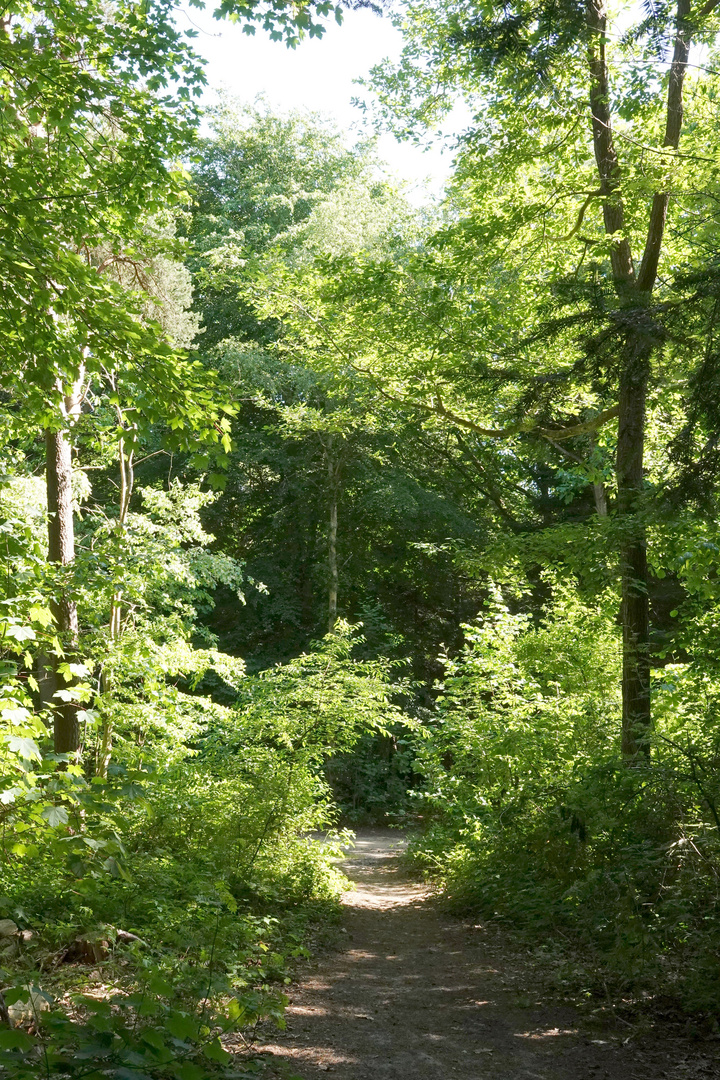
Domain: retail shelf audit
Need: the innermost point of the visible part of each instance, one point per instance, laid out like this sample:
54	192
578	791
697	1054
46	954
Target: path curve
416	995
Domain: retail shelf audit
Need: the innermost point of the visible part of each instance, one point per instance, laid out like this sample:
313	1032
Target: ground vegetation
319	510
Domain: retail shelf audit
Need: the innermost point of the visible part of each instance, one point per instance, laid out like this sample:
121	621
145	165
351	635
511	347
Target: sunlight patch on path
372	865
412	994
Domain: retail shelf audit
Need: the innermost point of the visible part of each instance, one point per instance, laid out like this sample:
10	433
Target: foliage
140	1034
160	879
535	819
371	783
259	176
286	396
275	197
192	848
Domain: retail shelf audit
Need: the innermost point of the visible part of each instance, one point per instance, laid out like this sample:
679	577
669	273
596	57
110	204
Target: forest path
417	995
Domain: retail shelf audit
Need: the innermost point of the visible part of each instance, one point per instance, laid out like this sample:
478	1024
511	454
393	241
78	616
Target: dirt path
419	996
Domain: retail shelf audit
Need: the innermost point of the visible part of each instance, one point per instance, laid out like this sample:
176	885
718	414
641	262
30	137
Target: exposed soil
417	995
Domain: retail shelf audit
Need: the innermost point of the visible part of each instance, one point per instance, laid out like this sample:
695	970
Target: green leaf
20	633
182	1026
55	815
153	1038
115	869
132	791
161	987
215	1052
25	748
64	695
188	1071
41	615
16	1040
149	1006
15	716
17	993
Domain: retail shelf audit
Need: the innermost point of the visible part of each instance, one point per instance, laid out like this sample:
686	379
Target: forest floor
414	994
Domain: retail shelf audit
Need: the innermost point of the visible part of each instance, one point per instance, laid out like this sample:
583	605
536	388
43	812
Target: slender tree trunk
634	375
634	293
332	538
332	565
61	532
127	480
600	497
61	550
104	752
307	559
633	553
599	493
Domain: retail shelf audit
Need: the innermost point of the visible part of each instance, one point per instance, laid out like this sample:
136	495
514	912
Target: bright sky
318	76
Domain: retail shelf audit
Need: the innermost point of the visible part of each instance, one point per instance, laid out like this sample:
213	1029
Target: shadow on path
419	996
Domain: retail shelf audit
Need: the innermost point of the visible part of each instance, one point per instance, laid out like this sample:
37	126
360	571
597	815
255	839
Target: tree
257	176
97	107
321	502
539	77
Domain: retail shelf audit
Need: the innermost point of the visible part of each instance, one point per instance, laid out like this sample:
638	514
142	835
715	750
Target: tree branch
581	429
579	220
706	9
673	127
597	485
523	426
603	144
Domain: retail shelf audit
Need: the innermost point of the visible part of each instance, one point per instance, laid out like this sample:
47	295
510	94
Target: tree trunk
600	498
104	752
636	718
127	481
599	493
332	539
61	550
634	293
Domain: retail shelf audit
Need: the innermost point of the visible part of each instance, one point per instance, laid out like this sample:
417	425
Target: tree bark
606	158
634	607
600	497
599	493
634	294
127	480
332	565
61	551
633	554
333	469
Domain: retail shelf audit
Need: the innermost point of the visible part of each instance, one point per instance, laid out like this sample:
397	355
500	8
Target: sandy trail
416	995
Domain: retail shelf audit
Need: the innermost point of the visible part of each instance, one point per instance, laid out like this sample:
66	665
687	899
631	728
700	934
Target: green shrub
535	820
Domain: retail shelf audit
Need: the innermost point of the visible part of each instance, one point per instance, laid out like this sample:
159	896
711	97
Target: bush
536	820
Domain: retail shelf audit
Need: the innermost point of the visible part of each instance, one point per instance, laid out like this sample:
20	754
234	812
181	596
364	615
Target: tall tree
256	177
97	109
539	77
313	462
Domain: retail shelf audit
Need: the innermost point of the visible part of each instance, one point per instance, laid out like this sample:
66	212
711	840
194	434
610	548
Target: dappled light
400	996
360	543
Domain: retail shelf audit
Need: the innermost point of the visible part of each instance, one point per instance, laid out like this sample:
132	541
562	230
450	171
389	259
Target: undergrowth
150	919
534	821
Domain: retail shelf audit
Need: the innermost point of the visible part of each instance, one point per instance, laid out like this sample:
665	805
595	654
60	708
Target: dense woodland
318	509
